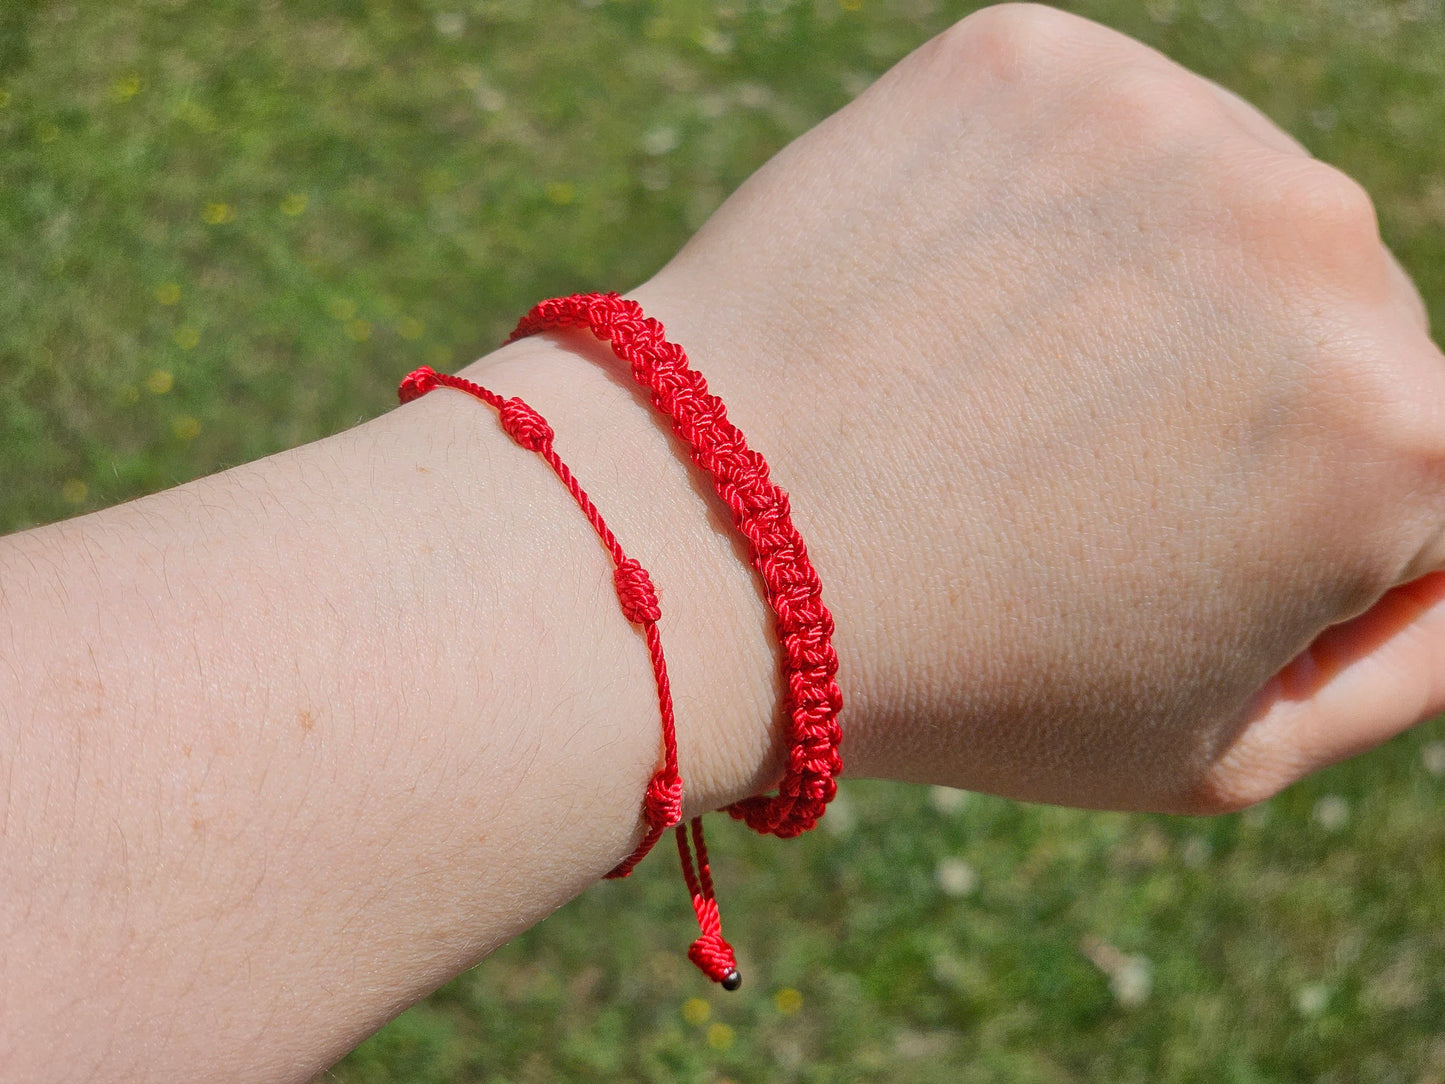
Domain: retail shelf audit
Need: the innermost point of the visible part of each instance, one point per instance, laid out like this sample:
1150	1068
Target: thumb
1358	684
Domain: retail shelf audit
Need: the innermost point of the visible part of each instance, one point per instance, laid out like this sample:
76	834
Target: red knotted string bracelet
761	514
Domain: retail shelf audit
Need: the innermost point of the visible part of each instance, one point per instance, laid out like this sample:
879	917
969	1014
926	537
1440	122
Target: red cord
760	512
811	699
662	802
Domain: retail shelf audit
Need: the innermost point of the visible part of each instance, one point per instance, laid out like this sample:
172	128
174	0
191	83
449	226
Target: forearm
290	746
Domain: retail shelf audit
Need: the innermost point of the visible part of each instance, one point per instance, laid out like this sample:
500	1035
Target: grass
226	228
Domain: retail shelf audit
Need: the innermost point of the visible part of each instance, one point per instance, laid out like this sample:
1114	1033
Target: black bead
732	980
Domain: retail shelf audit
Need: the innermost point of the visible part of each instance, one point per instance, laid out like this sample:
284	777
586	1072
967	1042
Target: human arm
289	746
1013	421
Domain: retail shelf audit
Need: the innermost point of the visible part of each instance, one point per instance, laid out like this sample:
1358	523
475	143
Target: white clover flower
1332	812
956	877
947	799
1311	1000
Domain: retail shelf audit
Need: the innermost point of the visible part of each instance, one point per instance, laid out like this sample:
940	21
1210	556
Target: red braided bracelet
760	512
811	698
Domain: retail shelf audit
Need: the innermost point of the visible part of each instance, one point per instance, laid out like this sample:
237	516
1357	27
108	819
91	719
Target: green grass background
226	228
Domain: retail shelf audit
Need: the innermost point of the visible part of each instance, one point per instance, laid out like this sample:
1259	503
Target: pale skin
1116	436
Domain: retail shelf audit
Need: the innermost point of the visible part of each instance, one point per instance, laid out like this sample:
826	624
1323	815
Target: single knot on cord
417	383
714	958
525	425
662	804
635	592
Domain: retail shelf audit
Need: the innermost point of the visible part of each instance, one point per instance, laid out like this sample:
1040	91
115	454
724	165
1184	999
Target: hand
1114	430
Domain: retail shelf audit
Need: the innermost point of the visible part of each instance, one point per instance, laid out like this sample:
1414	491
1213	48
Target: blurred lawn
226	228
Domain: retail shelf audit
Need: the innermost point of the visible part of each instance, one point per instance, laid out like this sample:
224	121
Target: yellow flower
159	382
720	1036
360	330
74	491
126	88
696	1011
48	133
788	1001
409	327
4	98
186	337
294	203
561	192
186	427
218	214
851	5
168	293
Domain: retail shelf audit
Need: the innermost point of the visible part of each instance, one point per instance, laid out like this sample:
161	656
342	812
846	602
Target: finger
1357	685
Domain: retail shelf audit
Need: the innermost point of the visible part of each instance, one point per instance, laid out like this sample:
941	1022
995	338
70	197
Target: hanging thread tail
711	952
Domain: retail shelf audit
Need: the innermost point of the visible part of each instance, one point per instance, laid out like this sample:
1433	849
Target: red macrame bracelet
811	699
760	513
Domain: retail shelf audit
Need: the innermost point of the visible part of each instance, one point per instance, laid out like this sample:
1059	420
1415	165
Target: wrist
716	626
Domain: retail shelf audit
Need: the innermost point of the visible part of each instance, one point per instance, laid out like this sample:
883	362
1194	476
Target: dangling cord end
711	953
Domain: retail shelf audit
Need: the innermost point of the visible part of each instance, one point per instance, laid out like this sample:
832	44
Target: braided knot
525	425
635	592
714	958
662	804
417	383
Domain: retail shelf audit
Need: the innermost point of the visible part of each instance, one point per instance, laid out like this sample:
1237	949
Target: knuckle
1007	43
1149	105
1226	789
1390	411
1239	768
1118	91
1313	202
1326	200
1313	222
